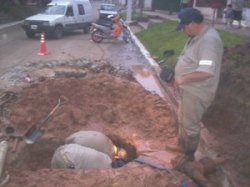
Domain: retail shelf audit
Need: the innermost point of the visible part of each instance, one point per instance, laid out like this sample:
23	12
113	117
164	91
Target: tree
12	2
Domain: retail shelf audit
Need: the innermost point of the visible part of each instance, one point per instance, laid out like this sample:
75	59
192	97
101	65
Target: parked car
106	10
60	16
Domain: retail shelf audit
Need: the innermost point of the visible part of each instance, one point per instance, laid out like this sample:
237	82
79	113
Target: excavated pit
38	156
100	98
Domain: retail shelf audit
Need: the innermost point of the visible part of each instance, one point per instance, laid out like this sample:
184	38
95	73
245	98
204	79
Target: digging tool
15	145
36	131
160	167
9	133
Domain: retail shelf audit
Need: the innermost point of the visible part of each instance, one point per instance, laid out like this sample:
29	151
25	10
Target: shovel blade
32	135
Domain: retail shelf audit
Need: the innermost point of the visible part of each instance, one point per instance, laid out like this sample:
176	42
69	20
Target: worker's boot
192	169
189	145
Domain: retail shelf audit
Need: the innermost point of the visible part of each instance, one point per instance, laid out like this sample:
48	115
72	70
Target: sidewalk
160	15
165	15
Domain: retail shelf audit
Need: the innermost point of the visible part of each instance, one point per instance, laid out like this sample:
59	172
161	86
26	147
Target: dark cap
188	15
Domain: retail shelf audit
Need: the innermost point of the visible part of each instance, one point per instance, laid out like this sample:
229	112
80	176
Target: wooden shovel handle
50	114
62	100
54	109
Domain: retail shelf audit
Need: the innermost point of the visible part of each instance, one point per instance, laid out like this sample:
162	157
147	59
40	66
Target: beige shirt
202	53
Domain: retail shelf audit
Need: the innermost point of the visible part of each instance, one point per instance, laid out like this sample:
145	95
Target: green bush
18	12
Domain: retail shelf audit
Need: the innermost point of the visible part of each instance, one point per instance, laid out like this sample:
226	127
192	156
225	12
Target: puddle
148	80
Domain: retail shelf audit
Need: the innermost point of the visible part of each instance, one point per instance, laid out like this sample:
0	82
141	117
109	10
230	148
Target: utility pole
129	11
141	5
194	3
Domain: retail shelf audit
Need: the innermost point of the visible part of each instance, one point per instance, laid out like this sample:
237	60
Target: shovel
36	131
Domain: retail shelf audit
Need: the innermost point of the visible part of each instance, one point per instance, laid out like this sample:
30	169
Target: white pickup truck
60	16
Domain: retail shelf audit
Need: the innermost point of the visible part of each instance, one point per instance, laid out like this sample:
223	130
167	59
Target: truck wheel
30	34
58	33
86	29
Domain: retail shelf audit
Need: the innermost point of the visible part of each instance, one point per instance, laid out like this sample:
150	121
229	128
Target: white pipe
3	153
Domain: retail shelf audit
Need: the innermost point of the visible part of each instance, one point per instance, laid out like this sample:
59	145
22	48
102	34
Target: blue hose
160	167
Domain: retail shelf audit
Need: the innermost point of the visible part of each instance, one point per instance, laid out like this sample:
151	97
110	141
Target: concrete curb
144	51
10	24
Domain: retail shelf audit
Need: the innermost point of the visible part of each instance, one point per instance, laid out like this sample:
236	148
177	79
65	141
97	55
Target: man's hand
192	77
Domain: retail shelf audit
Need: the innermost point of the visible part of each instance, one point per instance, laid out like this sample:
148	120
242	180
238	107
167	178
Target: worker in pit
88	150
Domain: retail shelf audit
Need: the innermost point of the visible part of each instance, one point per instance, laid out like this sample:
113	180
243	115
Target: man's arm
192	77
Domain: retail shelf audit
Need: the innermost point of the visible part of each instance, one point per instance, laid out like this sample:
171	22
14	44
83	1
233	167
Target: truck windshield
108	7
55	10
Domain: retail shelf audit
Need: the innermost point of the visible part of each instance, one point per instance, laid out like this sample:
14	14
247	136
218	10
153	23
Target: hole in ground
125	144
38	156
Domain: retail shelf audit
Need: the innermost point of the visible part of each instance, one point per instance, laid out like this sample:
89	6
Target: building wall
246	17
169	5
148	4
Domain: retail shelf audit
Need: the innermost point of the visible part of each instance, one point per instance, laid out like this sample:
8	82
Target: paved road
16	49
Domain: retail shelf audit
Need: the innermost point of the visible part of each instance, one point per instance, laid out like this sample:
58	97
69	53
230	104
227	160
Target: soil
101	100
228	118
109	100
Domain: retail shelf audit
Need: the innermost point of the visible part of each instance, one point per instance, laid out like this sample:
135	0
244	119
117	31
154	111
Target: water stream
148	80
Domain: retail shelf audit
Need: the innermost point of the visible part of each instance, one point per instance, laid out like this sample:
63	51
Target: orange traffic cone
43	49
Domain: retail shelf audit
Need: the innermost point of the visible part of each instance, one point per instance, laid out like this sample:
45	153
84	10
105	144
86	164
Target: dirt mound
108	101
98	101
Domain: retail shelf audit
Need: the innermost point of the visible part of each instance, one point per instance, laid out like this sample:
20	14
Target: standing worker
237	6
229	16
197	75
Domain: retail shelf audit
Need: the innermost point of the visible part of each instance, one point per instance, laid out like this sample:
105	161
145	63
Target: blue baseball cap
188	15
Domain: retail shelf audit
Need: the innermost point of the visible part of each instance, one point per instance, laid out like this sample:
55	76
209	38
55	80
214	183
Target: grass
162	36
135	16
230	39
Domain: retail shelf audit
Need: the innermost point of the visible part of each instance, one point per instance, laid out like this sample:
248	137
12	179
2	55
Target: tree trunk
134	8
